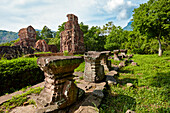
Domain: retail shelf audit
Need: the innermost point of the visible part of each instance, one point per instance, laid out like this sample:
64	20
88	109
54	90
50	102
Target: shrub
66	53
18	73
80	68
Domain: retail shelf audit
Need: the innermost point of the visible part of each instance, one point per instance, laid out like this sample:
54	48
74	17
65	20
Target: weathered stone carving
41	45
59	90
72	37
105	62
94	71
27	37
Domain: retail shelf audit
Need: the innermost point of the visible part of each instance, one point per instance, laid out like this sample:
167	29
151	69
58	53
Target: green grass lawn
151	93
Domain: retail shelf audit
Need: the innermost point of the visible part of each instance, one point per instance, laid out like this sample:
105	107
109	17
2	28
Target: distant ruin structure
72	37
41	45
27	37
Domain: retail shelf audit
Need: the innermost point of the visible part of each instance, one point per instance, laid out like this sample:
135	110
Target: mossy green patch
19	100
65	62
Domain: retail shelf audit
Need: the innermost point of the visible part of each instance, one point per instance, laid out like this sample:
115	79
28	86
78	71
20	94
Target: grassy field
151	93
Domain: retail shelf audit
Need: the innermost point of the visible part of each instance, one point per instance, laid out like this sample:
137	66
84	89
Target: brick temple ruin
72	37
27	37
41	45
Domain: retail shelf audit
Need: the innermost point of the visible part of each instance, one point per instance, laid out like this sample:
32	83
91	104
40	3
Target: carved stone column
94	71
60	90
105	62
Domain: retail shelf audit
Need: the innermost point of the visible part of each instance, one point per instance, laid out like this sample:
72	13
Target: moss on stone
62	63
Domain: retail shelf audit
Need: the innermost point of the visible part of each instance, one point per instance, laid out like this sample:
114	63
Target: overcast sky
17	14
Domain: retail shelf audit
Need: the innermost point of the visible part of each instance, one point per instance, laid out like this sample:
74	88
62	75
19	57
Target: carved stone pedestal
60	90
105	62
94	71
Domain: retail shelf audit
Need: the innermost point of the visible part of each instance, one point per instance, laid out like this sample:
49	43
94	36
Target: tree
115	39
46	33
84	28
56	39
152	19
60	29
38	37
107	28
93	39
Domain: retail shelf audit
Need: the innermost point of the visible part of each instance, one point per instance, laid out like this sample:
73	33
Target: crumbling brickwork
41	45
72	37
27	37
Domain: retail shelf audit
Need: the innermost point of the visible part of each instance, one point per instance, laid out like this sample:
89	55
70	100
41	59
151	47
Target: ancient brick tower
27	37
72	37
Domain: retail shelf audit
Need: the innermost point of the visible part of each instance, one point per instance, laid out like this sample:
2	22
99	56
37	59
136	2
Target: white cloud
16	14
113	4
122	14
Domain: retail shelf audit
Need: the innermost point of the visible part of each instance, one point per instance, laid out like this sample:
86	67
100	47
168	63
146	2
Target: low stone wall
48	54
10	52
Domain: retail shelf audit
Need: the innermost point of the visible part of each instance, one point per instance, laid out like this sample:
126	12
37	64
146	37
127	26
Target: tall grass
152	81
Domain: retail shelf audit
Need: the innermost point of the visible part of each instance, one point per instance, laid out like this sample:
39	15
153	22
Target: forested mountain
128	27
7	36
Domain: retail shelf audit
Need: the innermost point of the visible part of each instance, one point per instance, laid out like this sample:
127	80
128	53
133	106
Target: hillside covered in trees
7	36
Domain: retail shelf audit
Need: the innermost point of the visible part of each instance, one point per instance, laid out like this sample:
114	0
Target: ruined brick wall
10	52
41	45
53	48
72	37
27	37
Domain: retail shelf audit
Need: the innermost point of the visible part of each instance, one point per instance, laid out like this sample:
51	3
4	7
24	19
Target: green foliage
93	39
54	41
115	38
79	55
151	19
80	68
114	62
42	52
5	44
66	53
60	29
21	71
11	43
46	33
19	100
38	37
151	79
84	28
81	78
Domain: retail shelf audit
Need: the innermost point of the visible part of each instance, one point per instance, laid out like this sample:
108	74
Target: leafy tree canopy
153	20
